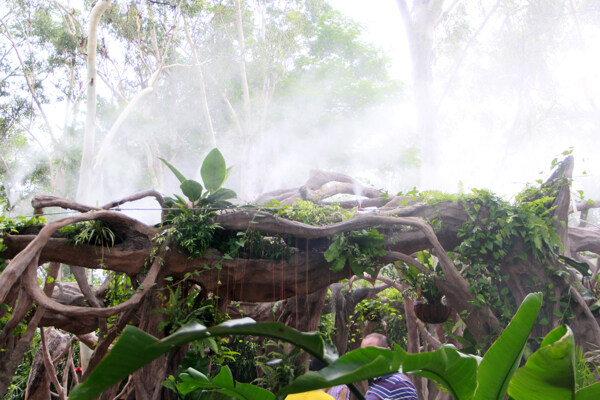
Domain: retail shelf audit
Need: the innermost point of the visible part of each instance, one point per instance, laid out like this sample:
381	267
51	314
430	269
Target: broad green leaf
502	359
213	171
582	267
223	383
549	374
591	392
353	366
224	378
135	348
447	366
132	351
192	380
191	189
178	174
220	195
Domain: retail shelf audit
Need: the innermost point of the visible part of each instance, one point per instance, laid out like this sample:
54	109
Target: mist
513	89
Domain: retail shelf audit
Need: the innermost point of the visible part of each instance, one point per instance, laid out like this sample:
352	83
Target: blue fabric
392	387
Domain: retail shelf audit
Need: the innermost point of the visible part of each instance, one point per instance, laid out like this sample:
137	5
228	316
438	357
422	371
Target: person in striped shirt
389	387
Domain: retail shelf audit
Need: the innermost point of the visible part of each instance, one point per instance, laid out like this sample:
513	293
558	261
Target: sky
474	153
382	25
472	159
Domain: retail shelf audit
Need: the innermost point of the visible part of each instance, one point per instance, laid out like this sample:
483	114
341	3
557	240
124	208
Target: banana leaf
223	383
135	348
504	356
549	373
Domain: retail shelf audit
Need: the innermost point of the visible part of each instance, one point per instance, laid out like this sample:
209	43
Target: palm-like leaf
549	374
502	359
135	348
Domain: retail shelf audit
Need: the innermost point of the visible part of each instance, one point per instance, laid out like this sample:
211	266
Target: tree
232	273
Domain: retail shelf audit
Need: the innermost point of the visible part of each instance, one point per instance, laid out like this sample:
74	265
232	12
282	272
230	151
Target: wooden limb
412	334
21	308
41	201
79	274
392	256
89	339
31	253
70	367
138	196
30	284
80	278
50	370
425	334
593	323
27	260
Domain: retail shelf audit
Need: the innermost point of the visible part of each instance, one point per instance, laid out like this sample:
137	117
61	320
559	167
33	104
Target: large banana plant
548	374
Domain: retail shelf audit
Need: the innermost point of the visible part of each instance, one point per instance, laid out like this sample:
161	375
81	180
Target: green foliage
359	249
422	285
279	367
192	230
550	370
386	319
243	365
223	383
95	233
119	289
311	213
214	174
136	348
252	244
16	226
587	368
497	233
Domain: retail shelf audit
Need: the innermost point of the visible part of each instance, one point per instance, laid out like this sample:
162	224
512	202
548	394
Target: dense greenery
550	370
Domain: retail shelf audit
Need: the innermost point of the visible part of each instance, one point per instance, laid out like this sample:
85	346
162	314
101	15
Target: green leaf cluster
95	233
192	230
16	226
422	285
359	249
310	213
252	244
498	233
214	173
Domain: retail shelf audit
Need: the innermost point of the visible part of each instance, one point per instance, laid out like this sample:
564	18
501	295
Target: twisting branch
50	370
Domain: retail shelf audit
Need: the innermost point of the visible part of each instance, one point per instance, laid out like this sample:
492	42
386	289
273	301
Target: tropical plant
359	249
421	285
550	370
192	228
214	173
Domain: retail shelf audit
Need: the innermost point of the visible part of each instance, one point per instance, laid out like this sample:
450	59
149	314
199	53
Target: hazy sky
472	158
383	27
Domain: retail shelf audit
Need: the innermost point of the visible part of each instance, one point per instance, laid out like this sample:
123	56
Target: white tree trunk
84	186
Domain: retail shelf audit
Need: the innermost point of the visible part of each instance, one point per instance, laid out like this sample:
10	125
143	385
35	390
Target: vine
497	233
359	249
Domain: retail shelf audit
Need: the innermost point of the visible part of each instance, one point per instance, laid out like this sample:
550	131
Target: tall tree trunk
89	136
246	119
419	24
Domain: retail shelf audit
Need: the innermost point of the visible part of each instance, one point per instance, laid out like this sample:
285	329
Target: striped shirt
392	387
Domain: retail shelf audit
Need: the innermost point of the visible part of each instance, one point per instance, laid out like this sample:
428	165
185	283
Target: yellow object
312	395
